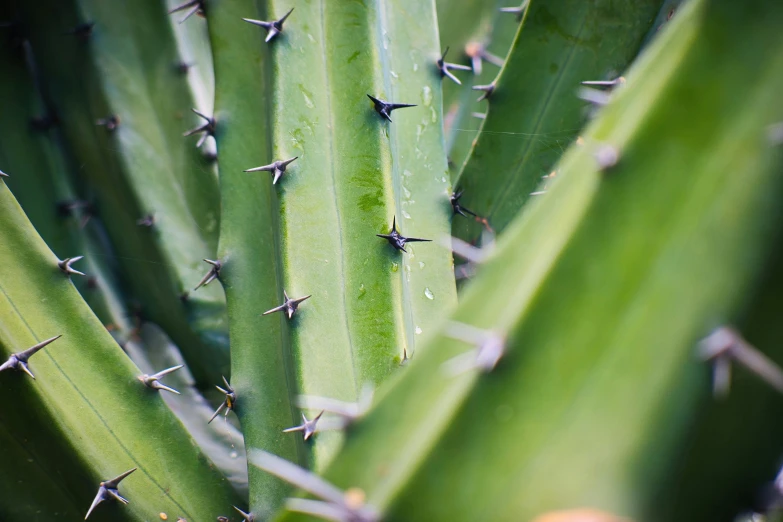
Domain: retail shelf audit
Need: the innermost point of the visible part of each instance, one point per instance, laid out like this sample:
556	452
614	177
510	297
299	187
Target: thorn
111	122
207	129
289	306
519	11
479	115
183	67
275	27
456	207
228	403
82	31
774	134
489	348
345	504
606	83
349	411
397	240
18	361
594	96
307	427
606	156
477	52
385	108
214	273
151	381
193	7
538	193
465	250
247	517
405	358
724	346
445	68
488	89
108	490
146	221
277	168
65	265
3	174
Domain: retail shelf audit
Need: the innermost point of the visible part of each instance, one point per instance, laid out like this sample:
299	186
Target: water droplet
407	172
394	74
362	290
234	454
308	101
311	37
406	215
426	95
443	179
421	265
418	331
406	192
428	293
415	67
395	267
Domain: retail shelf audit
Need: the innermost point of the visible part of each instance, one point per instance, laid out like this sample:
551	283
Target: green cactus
567	377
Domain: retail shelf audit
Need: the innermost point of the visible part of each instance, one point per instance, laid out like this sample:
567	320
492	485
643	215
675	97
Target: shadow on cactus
605	173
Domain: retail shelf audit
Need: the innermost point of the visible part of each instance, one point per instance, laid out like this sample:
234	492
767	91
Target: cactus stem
247	517
108	490
3	174
606	156
228	403
275	27
65	265
308	427
488	90
489	345
479	115
214	273
725	345
445	68
457	207
18	361
151	381
384	108
207	129
111	122
344	506
277	168
82	31
519	11
192	6
289	306
397	240
146	221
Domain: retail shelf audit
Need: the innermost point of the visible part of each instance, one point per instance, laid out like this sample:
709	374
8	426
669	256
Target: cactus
363	390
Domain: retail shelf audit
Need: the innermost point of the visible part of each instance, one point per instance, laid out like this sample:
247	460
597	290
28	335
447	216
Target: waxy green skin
534	113
260	352
86	417
145	166
598	370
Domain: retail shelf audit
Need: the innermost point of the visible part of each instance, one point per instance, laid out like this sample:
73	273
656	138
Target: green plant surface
596	391
260	357
144	166
192	39
86	417
534	113
462	24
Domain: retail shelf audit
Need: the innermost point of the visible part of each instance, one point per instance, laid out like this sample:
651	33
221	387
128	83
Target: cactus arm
144	166
86	399
260	354
534	112
599	369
